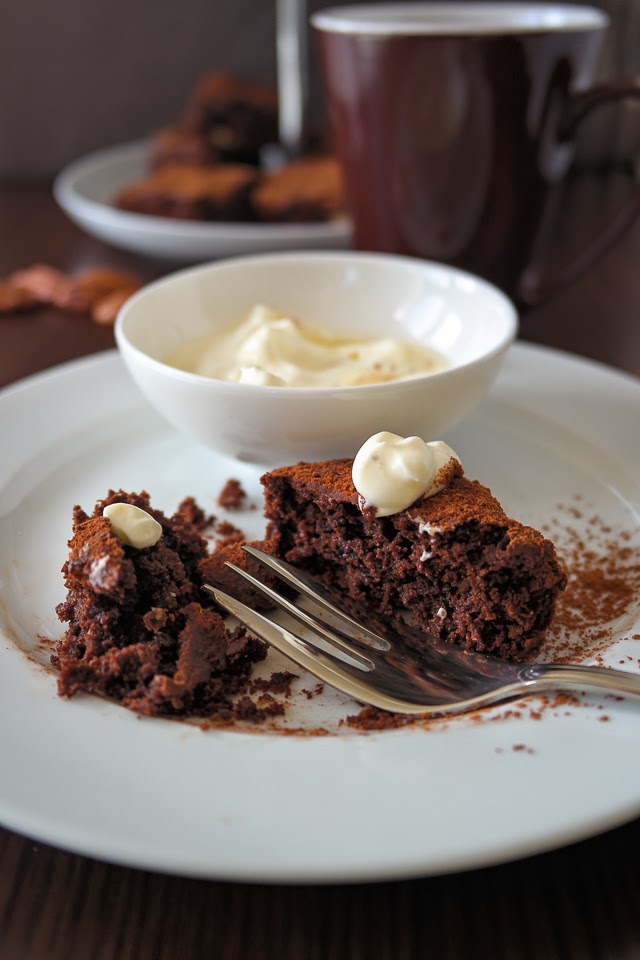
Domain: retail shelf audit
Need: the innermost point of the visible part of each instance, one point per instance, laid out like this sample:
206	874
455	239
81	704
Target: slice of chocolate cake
306	190
453	561
191	192
140	629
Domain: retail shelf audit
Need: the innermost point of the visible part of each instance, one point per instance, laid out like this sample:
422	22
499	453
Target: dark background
80	75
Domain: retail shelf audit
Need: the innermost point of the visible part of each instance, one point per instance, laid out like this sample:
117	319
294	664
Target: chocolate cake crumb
232	496
194	514
372	718
227	533
140	628
279	682
248	709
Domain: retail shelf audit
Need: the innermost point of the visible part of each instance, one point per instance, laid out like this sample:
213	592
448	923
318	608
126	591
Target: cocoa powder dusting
602	597
600	602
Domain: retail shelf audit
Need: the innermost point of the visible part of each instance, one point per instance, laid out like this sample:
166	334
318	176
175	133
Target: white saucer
86	188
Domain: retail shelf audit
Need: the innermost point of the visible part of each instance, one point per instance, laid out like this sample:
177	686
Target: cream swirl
271	349
392	472
134	526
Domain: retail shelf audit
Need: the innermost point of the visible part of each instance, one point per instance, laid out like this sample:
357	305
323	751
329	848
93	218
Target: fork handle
553	676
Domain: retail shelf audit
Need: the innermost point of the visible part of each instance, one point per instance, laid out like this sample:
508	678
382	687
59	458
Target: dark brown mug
453	123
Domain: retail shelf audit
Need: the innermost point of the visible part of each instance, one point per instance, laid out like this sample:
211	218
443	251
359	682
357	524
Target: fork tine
306	619
321	665
377	679
315	592
435	664
433	673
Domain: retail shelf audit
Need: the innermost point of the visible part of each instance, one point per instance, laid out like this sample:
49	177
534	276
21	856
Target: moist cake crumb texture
455	562
140	628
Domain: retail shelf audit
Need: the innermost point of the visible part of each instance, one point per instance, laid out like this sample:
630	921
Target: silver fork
394	666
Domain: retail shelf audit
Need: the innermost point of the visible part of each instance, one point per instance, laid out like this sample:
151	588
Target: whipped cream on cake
392	472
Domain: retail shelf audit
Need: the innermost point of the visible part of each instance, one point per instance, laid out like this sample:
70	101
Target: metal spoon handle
293	72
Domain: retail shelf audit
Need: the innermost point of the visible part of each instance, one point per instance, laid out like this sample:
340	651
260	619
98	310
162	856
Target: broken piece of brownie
140	628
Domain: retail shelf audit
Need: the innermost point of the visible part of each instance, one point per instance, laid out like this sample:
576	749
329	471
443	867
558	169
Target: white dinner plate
86	189
89	776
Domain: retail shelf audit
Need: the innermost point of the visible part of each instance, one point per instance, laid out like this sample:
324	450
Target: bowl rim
510	333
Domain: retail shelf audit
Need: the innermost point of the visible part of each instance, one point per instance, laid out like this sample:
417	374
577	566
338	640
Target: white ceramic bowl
467	319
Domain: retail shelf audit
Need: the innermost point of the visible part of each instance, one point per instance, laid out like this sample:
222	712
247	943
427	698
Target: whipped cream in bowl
341	345
270	348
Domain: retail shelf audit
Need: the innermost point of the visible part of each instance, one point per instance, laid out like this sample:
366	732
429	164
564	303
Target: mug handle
534	286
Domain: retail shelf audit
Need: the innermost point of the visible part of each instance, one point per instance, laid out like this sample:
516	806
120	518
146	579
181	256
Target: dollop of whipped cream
271	349
134	526
391	472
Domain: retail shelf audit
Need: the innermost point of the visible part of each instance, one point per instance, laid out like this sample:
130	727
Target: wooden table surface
580	902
